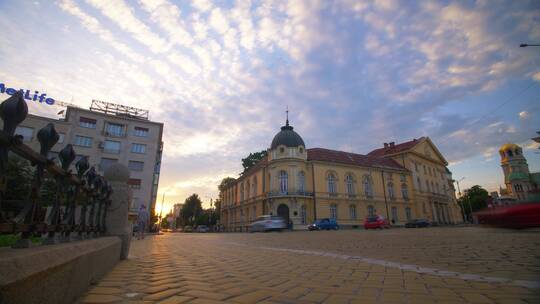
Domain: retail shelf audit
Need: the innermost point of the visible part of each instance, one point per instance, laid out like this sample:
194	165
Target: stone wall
55	274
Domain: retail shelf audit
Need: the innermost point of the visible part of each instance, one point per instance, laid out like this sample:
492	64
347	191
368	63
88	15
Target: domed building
521	185
304	184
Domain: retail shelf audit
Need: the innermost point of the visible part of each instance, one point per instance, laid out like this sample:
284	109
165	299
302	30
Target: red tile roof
320	154
395	148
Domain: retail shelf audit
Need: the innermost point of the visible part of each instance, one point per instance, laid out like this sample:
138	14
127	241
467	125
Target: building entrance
283	211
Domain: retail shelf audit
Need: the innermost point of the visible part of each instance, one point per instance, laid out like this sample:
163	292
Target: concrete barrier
55	274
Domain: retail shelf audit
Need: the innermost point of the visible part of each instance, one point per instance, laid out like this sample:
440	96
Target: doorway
283	211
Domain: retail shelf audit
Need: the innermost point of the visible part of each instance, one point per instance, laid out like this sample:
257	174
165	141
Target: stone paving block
206	295
253	297
162	295
315	297
97	298
176	300
105	290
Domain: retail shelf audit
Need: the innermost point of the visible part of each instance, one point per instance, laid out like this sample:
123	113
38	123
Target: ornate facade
521	185
399	181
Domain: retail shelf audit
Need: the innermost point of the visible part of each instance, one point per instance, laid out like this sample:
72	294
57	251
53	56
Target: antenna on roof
287	121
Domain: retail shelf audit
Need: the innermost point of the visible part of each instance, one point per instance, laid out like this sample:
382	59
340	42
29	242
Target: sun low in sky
354	74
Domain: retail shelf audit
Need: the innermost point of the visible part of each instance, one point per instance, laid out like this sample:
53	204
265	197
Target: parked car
268	223
376	221
418	223
188	229
324	224
202	228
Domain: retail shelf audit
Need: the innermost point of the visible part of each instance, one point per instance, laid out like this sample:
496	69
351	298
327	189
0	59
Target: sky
354	74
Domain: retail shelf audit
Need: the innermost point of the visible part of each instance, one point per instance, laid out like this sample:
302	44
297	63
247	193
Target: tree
225	183
476	197
19	176
252	159
192	209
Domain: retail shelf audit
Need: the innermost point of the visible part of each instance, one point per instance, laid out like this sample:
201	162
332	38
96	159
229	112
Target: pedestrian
290	225
142	220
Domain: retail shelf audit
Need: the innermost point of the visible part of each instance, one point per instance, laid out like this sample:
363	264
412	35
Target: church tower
516	171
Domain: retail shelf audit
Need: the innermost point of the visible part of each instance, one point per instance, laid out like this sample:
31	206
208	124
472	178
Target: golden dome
509	146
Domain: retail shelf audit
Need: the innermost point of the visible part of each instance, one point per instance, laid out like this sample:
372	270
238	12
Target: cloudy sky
354	74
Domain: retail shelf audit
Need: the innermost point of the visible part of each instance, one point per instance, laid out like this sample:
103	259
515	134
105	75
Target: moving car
268	223
417	223
324	224
517	217
188	229
376	221
202	228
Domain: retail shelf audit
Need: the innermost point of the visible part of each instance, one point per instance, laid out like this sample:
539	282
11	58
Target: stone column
117	176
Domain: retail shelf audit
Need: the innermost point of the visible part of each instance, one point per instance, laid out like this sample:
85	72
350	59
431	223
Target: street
434	265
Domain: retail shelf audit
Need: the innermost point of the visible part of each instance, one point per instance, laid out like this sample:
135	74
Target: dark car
324	224
417	223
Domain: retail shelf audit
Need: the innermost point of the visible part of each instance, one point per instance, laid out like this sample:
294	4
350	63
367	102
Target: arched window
333	211
368	186
408	213
283	181
301	181
419	182
432	187
241	191
352	212
391	193
427	186
350	184
404	191
254	187
248	189
331	183
437	187
303	214
370	210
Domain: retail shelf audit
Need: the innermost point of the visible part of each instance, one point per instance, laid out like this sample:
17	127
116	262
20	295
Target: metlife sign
36	96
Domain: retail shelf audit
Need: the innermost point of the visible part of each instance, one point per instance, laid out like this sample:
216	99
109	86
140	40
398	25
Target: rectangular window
113	129
416	167
61	138
83	141
136	165
106	163
141	132
111	146
134	183
78	157
87	122
26	132
138	148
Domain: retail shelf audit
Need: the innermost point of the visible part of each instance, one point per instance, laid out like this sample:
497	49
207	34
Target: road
433	265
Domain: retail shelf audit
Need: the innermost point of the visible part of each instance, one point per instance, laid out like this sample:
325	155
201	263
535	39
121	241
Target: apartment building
108	135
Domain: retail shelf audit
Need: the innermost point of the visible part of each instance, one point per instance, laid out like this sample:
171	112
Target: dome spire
287	121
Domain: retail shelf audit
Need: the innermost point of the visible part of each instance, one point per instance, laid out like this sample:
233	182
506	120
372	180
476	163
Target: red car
377	221
517	216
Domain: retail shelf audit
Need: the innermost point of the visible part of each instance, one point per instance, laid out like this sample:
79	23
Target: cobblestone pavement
435	265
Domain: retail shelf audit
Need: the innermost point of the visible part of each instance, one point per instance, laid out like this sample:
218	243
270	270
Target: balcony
289	193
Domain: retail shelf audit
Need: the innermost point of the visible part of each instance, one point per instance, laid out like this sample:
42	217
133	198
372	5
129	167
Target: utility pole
161	210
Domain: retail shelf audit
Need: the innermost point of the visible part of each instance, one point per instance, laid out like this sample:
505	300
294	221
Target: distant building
399	181
107	137
521	185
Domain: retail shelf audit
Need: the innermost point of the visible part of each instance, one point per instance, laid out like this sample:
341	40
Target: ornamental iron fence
78	209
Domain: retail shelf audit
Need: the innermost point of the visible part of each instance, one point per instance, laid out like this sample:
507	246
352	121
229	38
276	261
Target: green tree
225	183
252	159
474	198
19	174
192	208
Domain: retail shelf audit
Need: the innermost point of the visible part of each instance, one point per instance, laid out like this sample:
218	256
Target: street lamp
459	192
526	45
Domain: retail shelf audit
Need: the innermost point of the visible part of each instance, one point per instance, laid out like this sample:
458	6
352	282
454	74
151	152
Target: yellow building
400	182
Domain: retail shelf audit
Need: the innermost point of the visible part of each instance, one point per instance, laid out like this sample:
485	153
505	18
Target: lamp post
161	211
459	192
526	45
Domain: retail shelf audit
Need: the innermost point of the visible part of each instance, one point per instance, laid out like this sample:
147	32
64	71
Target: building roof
392	148
509	146
287	137
320	154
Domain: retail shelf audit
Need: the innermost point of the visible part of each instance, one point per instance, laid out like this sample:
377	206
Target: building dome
509	146
287	137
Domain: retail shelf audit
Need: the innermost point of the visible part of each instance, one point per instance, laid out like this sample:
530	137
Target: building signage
36	96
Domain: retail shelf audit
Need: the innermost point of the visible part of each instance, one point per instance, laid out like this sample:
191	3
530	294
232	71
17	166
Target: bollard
117	222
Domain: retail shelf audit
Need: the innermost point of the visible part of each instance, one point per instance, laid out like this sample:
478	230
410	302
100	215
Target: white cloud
218	21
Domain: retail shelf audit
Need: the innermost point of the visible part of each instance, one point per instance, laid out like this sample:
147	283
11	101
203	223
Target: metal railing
79	205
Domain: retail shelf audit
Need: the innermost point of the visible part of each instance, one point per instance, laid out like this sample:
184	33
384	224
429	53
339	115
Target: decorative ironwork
73	192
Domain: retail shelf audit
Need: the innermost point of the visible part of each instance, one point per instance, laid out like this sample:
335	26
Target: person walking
142	220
